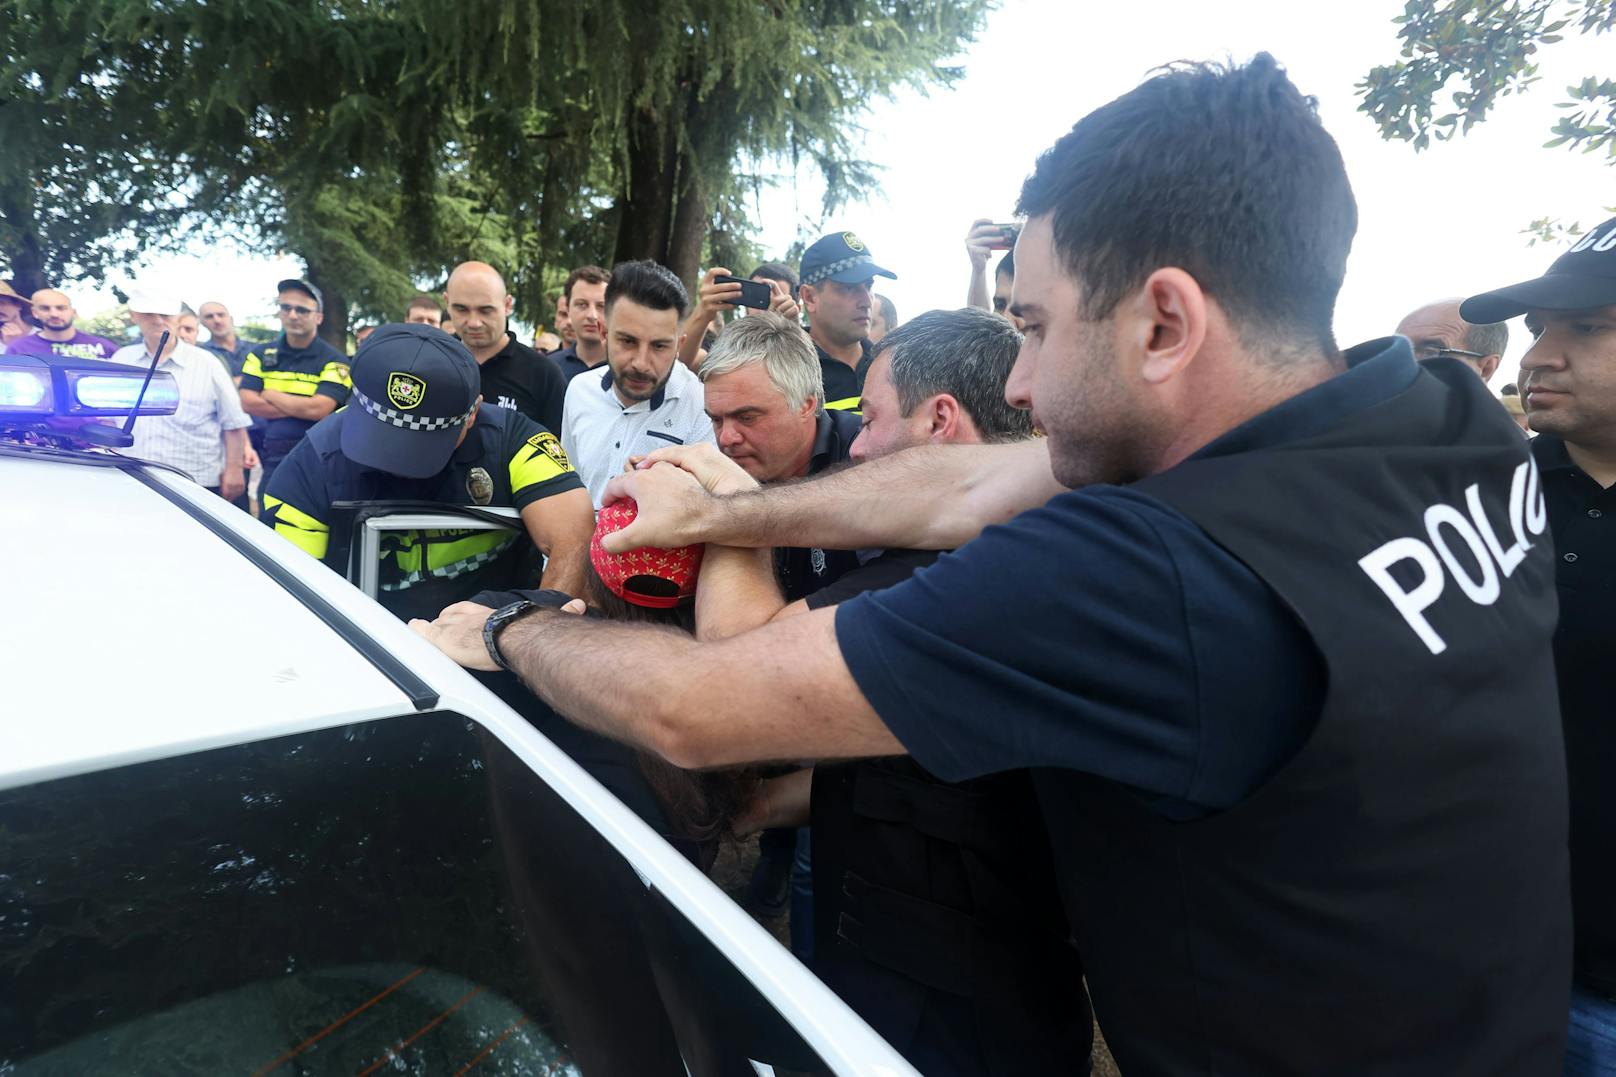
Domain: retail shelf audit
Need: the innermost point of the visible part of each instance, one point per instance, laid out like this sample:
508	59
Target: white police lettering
1593	239
1480	574
507	402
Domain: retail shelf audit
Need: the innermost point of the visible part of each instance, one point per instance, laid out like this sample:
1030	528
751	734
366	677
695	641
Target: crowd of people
1134	640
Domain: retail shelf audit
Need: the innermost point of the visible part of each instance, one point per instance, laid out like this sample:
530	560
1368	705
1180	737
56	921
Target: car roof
132	631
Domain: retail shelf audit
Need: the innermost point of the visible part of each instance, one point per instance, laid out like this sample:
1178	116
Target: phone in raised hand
753	293
1006	239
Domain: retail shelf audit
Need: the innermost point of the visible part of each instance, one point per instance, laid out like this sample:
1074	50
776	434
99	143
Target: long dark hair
701	804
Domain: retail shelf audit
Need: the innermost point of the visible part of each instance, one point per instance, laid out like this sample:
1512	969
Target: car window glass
402	896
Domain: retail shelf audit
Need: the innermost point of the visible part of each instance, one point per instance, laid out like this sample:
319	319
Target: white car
250	823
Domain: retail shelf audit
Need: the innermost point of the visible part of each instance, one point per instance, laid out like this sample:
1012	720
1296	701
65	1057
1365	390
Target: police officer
1270	620
418	430
837	282
295	380
1568	387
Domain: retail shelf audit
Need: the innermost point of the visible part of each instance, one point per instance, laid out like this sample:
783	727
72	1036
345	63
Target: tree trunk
689	223
24	254
334	327
647	205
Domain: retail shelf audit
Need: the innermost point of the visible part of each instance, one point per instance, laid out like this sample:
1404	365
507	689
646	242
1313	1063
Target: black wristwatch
496	622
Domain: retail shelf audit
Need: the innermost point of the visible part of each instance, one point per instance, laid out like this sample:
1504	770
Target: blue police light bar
26	392
115	394
45	388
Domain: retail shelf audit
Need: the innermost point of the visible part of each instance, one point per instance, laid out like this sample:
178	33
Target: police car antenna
129	423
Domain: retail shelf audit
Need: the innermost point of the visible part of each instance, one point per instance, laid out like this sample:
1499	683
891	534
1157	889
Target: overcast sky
1443	222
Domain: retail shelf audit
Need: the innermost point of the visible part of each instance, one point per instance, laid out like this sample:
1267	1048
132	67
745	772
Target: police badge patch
405	390
552	448
480	486
854	243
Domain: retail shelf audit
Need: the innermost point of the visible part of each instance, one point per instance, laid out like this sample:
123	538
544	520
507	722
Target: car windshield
402	896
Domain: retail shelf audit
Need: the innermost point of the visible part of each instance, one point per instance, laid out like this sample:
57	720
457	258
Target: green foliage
112	323
385	140
1459	57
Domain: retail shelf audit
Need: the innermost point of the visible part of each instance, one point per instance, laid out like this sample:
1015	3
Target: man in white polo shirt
645	399
207	437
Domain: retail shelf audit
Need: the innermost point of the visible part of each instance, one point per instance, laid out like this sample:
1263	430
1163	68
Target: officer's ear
510	304
945	419
1487	366
1166	319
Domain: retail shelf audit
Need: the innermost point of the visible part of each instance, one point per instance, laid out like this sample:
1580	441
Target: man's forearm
561	658
235	449
564	574
253	403
976	295
690	344
933	497
780	692
312	408
736	592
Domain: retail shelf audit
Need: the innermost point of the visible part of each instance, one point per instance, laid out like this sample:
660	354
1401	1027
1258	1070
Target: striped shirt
599	434
192	439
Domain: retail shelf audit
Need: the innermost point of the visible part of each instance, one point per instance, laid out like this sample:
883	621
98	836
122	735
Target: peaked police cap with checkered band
840	256
414	387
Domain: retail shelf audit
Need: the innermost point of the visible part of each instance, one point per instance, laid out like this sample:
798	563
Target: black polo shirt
844	384
567	361
520	379
804	570
1582	519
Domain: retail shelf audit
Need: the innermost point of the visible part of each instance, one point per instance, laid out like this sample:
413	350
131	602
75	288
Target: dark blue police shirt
1106	633
567	359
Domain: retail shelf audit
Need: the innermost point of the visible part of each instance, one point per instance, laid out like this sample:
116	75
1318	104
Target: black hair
1223	171
649	285
777	271
966	354
1006	266
701	804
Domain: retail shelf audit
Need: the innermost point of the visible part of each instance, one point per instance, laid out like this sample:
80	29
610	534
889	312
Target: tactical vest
1395	898
936	918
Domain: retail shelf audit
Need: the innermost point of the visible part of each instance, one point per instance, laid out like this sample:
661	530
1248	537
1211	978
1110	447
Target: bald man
1437	332
514	375
56	336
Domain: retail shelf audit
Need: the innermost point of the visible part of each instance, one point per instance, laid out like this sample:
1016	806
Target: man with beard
56	336
1270	619
514	375
646	399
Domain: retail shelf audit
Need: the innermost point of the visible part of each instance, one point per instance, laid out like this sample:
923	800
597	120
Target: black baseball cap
1581	278
414	387
842	257
296	284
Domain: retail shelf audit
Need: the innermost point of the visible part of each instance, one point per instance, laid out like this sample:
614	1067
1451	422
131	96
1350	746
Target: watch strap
497	621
